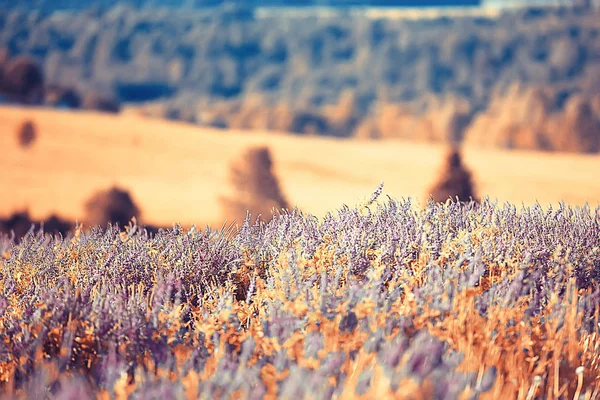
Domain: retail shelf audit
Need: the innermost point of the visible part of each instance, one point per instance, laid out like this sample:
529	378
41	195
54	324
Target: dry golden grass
178	172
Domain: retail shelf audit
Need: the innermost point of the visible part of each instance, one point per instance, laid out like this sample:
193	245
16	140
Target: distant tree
22	80
256	187
580	127
20	223
98	102
455	180
26	134
62	97
114	205
309	122
54	224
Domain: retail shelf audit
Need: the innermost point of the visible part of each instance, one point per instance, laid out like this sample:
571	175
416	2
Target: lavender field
381	300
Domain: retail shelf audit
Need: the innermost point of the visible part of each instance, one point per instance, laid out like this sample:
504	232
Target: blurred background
195	111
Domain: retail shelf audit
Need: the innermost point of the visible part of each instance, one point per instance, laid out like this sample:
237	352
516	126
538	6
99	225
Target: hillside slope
177	172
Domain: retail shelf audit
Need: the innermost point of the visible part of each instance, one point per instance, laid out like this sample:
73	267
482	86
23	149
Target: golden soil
177	172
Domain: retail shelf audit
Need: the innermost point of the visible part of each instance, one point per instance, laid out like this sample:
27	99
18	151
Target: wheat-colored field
177	172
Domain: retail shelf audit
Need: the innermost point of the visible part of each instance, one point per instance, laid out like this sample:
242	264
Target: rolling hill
178	172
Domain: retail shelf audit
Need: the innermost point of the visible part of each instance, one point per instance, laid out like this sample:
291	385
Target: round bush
114	205
23	80
26	134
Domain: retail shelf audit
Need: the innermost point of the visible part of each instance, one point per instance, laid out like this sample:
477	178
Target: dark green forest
52	5
341	74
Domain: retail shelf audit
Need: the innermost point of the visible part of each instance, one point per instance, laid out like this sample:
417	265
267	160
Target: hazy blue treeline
50	5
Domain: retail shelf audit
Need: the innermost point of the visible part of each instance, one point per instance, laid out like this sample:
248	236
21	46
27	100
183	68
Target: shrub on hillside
26	134
114	205
98	102
309	123
21	222
22	79
455	180
256	187
62	97
55	224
